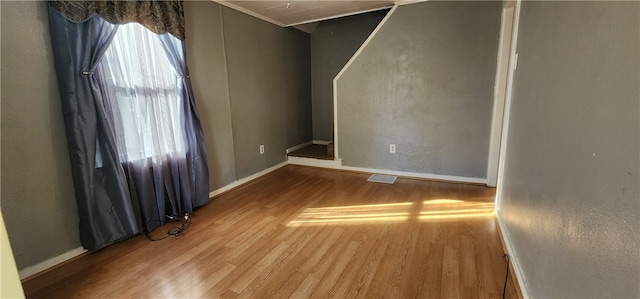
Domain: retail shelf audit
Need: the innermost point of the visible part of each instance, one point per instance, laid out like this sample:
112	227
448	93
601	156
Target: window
142	94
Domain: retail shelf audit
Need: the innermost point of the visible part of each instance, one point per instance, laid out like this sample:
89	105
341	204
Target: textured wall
333	43
208	67
297	86
424	83
570	195
38	200
256	88
247	97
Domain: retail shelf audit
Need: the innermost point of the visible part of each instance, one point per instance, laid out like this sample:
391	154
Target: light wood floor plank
302	232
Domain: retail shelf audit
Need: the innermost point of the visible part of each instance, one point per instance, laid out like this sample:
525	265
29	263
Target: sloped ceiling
291	13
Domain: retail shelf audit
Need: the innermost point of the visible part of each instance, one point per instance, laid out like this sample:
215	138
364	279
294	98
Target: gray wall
570	196
333	43
260	57
38	200
208	68
297	87
424	83
252	85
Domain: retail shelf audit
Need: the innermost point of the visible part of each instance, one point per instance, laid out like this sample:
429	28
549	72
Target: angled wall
333	43
570	191
425	83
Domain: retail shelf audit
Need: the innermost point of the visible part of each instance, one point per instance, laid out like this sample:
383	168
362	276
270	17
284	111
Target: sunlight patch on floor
437	210
453	210
360	214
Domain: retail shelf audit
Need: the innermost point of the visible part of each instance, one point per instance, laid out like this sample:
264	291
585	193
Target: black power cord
504	289
176	231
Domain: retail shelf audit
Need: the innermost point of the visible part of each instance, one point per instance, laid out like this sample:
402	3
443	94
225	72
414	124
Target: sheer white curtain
133	111
142	93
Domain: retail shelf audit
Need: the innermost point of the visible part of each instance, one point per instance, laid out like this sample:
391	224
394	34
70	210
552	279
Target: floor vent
381	178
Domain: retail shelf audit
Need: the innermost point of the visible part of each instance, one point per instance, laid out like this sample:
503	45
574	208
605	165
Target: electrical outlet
392	148
262	149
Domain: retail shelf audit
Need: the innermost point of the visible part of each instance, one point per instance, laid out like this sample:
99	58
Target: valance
158	16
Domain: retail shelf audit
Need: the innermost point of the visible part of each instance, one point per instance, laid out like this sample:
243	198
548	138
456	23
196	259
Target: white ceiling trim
405	2
340	16
282	23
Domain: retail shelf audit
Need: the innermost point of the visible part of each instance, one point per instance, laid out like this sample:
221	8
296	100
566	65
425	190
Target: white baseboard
31	270
246	180
429	176
323	142
299	146
333	164
337	164
513	258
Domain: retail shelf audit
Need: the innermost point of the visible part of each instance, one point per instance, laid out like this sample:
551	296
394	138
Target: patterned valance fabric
158	16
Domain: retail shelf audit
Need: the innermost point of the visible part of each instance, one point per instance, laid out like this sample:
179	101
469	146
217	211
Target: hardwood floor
303	232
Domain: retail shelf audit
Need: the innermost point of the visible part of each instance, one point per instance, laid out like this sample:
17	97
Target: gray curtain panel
106	211
118	199
197	154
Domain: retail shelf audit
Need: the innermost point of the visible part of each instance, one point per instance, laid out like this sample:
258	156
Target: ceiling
296	12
